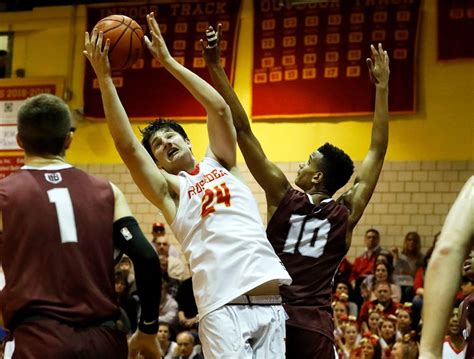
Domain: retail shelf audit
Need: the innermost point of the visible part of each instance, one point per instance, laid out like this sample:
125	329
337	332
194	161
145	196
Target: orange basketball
126	40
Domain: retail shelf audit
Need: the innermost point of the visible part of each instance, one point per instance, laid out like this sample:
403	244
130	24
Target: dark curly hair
158	125
337	167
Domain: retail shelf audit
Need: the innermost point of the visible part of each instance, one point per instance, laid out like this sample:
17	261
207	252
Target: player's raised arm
266	173
359	195
222	138
443	275
142	168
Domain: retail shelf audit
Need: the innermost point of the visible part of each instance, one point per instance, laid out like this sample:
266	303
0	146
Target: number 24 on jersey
213	196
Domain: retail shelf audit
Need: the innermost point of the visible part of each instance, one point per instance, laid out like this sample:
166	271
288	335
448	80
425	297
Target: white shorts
243	331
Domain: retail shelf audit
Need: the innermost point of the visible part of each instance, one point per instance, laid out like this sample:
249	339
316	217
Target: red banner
9	165
147	90
13	93
309	59
455	29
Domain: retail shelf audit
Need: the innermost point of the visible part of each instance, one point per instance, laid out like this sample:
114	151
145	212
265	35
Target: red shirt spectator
364	264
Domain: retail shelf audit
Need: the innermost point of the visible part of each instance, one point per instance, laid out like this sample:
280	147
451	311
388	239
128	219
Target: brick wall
410	196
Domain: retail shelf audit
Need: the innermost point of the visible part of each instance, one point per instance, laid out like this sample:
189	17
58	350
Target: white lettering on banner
134	12
8	138
199	9
275	5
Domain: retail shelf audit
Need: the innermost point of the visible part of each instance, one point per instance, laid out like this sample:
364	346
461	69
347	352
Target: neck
318	196
41	161
457	340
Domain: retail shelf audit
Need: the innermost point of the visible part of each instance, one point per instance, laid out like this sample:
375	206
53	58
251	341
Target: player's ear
318	178
19	142
68	140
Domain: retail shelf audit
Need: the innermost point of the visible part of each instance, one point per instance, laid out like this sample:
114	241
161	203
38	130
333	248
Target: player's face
307	171
403	319
171	150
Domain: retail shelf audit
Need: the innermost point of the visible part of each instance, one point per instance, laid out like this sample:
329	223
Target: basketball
126	40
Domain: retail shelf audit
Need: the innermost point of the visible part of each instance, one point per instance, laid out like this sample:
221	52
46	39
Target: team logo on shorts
53	178
126	233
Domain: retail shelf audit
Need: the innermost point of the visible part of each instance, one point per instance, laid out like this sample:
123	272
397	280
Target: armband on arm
129	239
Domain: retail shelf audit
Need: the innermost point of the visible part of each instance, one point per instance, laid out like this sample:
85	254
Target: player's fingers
94	37
370	64
99	41
153	24
203	47
86	54
146	39
211	37
387	59
106	48
87	42
219	32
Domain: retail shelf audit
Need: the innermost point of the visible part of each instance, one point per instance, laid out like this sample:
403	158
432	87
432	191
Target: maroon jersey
311	242
468	315
57	245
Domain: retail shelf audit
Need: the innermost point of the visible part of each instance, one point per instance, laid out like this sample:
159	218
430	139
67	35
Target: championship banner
455	29
147	90
10	164
13	92
309	59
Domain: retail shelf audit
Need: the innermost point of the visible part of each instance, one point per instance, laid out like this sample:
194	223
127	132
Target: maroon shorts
48	338
306	344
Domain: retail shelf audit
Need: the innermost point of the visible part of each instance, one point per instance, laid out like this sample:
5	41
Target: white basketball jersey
222	235
450	352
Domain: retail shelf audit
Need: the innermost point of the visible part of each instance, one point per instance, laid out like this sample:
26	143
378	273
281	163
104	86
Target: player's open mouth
172	152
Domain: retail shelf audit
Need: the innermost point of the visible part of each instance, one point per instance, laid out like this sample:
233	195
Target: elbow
223	110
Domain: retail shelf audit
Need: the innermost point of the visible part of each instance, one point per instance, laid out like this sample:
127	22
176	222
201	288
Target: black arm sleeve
129	239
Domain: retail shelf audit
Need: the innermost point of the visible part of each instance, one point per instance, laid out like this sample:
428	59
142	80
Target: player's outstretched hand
379	69
157	44
211	48
97	52
145	345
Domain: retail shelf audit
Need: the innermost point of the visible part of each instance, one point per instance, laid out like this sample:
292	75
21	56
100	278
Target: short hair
158	125
378	284
373	230
337	167
44	122
3	53
186	333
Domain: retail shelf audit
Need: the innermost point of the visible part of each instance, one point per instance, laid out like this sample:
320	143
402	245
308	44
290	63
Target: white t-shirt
222	234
